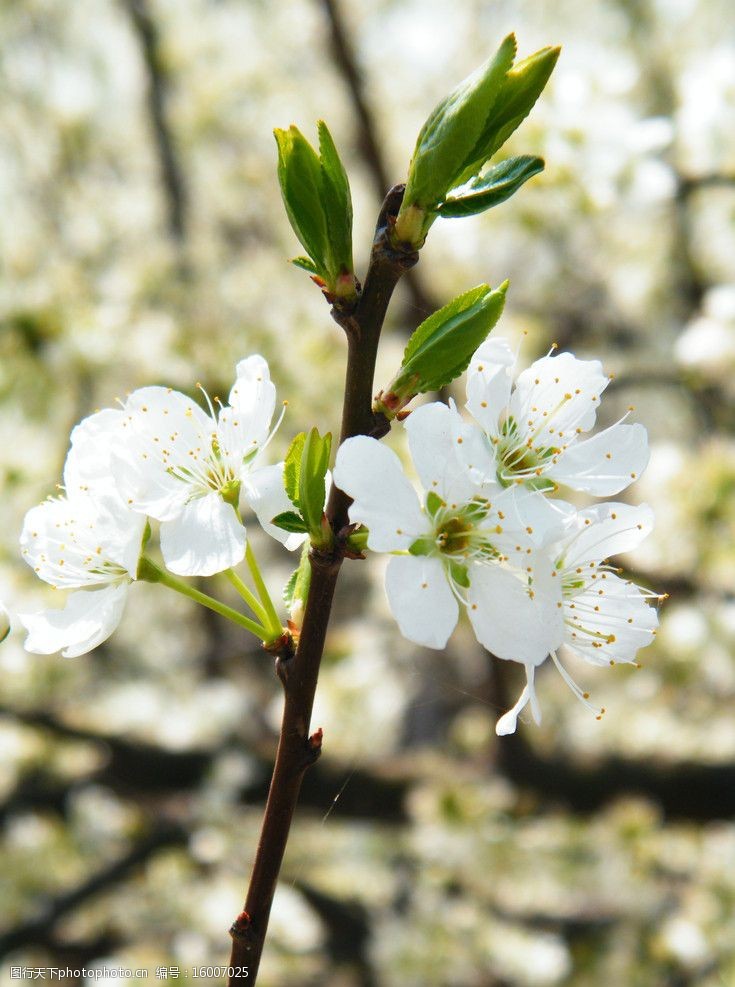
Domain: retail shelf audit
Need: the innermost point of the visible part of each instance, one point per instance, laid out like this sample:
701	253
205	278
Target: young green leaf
442	346
292	469
337	204
453	129
296	590
300	178
312	483
290	521
305	263
522	86
497	184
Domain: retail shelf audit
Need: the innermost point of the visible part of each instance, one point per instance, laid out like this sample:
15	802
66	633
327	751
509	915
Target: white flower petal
265	494
383	499
164	448
606	463
205	538
437	437
87	467
508	721
88	619
610	621
489	382
253	397
528	520
420	599
557	395
507	620
605	530
80	542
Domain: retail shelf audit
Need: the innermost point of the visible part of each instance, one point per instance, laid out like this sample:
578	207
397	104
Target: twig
297	749
172	179
29	932
368	140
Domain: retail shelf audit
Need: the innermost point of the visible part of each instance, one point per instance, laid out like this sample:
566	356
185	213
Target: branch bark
297	748
172	179
368	139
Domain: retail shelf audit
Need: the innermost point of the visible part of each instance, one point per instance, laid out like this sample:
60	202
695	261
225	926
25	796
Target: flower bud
316	194
462	134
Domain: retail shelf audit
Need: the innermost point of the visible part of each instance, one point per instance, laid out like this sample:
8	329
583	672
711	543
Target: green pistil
231	493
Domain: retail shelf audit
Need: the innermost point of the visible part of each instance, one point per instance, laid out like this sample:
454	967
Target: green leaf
290	521
300	178
292	468
497	184
337	204
441	320
453	129
442	346
312	484
305	263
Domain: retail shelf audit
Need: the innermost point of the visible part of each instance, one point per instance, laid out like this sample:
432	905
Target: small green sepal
422	546
433	502
459	575
357	543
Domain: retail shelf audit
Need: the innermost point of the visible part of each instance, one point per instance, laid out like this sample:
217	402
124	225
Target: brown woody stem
297	749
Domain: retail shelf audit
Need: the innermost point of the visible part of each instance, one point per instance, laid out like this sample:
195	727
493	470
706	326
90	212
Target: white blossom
88	540
607	619
187	467
85	545
463	543
532	430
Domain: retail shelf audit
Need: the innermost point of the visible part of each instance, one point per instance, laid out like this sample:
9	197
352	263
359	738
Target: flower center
519	458
459	537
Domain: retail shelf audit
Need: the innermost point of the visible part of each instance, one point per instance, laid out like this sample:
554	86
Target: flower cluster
160	456
491	532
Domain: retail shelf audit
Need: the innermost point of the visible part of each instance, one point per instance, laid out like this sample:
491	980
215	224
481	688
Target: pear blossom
607	619
83	544
532	431
88	540
187	467
463	543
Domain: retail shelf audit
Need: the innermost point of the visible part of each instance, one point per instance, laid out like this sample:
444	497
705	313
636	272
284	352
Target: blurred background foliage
142	240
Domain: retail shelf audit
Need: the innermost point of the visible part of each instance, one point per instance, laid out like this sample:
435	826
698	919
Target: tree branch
297	749
368	139
172	179
39	928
